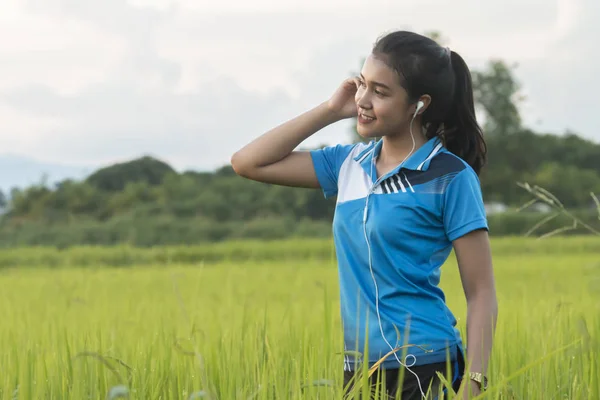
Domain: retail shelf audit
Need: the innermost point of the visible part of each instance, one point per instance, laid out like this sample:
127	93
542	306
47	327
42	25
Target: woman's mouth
365	119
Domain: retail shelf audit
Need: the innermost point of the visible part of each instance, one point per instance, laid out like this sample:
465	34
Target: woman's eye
377	92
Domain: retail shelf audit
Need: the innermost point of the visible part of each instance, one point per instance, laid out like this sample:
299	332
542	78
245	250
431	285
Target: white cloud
62	53
568	12
21	130
562	85
273	6
198	128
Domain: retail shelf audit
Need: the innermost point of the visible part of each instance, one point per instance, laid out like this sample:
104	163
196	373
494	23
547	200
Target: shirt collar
418	161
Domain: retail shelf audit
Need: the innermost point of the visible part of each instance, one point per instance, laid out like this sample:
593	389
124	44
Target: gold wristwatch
480	379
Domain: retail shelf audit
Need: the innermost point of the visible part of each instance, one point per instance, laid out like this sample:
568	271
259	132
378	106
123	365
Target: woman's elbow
239	165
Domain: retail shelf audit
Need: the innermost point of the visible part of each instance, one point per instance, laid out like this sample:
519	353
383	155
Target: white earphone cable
371	263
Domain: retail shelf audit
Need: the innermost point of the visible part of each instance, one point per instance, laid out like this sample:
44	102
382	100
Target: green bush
167	230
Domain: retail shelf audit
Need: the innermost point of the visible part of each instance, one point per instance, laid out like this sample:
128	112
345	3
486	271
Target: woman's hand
342	102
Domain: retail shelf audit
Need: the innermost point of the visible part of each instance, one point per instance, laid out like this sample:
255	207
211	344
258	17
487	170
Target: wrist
331	114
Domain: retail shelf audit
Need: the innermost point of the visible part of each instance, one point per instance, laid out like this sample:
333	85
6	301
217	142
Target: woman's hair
424	68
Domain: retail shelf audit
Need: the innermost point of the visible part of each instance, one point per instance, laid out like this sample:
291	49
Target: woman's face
383	108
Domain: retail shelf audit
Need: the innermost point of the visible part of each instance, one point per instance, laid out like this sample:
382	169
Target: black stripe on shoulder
440	165
384	187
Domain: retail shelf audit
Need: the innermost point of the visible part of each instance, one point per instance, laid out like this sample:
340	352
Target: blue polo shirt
391	236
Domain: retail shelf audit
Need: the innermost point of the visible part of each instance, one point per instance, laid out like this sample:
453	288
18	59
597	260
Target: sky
87	82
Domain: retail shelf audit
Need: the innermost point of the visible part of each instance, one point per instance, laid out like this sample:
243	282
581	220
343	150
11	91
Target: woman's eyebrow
376	83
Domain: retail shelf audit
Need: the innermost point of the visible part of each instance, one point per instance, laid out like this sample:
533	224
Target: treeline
145	202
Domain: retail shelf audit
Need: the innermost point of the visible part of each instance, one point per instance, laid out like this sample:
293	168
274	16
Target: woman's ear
426	100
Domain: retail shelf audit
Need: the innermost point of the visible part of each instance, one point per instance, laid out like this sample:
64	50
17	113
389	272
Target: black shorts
389	380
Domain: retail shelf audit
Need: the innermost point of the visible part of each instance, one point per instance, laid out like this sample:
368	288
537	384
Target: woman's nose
362	100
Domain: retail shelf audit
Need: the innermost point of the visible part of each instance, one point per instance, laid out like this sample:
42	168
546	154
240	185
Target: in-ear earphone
420	105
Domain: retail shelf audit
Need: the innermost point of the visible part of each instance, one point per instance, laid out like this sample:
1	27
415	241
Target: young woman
403	203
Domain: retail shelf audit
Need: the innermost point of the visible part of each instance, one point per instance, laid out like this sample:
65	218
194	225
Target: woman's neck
396	148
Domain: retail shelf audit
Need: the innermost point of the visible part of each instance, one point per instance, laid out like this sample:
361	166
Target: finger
349	82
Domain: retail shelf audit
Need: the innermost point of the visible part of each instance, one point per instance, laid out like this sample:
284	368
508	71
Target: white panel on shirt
353	182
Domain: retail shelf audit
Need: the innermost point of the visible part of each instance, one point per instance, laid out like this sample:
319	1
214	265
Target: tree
117	176
496	93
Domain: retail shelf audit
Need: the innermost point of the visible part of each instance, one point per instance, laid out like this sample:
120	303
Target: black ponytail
462	134
425	67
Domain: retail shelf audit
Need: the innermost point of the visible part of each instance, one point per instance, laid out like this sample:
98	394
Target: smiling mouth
365	119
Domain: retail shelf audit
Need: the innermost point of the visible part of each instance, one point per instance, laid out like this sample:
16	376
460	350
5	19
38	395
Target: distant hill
19	171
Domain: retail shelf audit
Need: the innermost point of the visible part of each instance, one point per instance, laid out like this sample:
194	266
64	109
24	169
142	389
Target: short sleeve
464	210
327	162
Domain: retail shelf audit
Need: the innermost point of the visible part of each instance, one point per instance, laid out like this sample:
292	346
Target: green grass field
247	321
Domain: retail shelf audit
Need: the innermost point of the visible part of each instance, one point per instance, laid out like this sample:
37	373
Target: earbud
420	105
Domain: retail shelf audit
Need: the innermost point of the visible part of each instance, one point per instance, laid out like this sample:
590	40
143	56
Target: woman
403	203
